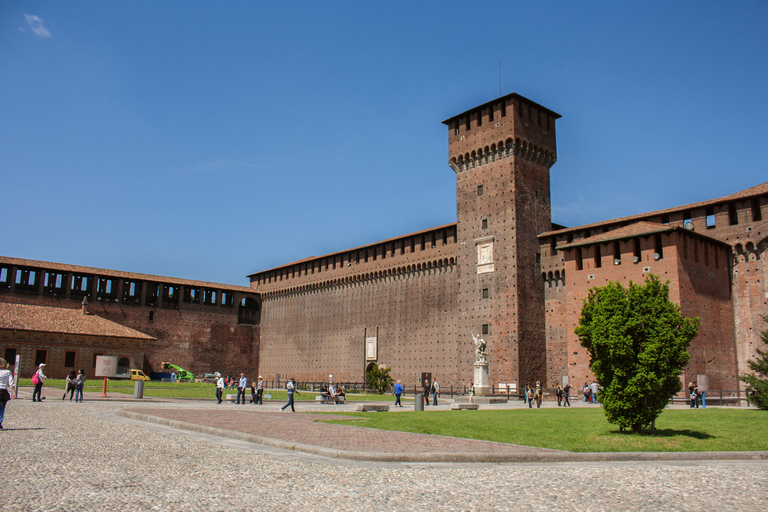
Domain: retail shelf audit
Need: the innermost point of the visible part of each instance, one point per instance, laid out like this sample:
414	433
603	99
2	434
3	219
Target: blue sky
210	140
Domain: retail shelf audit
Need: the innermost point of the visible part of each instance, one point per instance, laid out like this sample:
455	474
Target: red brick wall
311	332
703	292
199	338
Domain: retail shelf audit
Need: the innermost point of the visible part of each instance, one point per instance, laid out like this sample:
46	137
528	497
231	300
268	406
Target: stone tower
501	152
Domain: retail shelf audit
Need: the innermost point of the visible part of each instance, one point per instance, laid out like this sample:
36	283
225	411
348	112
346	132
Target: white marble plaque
371	348
485	257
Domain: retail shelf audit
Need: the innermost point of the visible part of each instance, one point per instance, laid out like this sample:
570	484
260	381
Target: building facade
200	326
502	270
506	271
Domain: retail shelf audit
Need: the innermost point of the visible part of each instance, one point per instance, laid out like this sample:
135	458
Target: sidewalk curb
545	455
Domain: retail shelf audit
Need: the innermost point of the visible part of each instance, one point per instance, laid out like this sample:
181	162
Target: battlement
508	126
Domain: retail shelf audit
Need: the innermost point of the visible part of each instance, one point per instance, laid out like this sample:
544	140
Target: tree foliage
637	342
378	378
757	388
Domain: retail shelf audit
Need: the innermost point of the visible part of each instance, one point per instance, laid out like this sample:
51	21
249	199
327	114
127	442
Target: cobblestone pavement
66	456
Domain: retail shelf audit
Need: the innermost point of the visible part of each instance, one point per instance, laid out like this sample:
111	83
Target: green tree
378	378
637	342
757	388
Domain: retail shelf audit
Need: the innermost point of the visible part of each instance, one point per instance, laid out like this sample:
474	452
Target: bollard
704	400
138	389
418	402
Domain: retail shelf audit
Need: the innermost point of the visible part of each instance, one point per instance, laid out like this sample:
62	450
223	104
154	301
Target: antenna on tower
499	78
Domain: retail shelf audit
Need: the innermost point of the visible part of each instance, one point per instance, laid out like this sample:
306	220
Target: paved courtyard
102	455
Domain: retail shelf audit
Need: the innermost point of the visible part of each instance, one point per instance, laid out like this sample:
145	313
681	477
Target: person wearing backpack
291	389
71	386
37	379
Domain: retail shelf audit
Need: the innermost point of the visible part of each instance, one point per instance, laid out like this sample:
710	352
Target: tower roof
493	102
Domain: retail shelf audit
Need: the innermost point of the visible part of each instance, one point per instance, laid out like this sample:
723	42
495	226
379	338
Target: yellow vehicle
138	375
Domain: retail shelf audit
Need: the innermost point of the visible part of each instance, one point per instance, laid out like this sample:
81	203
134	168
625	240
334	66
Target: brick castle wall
309	333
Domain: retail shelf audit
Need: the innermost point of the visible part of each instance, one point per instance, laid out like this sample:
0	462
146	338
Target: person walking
594	388
559	394
6	385
37	379
529	396
291	389
537	394
567	395
694	398
219	386
425	387
435	391
79	384
241	387
260	391
398	392
70	386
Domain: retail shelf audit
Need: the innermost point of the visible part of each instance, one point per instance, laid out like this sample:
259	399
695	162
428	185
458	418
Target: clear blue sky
210	140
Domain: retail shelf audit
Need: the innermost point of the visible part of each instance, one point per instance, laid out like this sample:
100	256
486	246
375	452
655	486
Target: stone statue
480	355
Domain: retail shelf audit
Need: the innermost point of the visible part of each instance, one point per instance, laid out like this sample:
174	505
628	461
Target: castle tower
501	152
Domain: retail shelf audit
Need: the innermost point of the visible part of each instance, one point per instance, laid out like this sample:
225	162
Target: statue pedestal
481	379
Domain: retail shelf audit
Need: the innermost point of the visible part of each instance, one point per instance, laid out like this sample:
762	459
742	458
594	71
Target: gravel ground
66	456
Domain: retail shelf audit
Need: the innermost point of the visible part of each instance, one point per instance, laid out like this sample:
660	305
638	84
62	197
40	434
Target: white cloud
36	25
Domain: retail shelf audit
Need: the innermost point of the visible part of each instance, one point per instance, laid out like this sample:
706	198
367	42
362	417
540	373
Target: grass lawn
190	390
586	430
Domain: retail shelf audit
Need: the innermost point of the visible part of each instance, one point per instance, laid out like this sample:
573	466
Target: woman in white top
6	384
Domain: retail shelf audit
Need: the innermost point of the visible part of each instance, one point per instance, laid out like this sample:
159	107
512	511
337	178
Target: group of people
332	394
431	388
590	392
257	389
74	385
563	394
531	395
693	394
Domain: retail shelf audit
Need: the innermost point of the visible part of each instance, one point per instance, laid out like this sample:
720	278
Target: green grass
586	430
200	390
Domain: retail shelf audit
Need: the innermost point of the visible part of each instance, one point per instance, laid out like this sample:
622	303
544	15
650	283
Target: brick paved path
304	432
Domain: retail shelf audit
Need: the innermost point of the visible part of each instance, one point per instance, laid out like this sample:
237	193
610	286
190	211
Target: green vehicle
181	373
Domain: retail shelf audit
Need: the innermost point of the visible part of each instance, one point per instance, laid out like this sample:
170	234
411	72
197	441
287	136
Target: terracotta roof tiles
27	317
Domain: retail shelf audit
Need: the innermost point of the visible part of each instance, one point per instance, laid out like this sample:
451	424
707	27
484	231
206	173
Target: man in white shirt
219	386
260	391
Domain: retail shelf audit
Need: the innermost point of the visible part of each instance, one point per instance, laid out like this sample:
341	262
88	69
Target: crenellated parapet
365	279
502	150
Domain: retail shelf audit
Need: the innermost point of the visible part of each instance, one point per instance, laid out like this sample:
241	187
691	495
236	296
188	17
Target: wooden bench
321	398
372	408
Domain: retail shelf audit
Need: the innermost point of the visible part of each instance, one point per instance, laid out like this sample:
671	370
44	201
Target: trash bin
138	389
418	402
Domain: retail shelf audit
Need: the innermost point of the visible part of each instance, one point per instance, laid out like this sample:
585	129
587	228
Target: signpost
16	377
106	366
